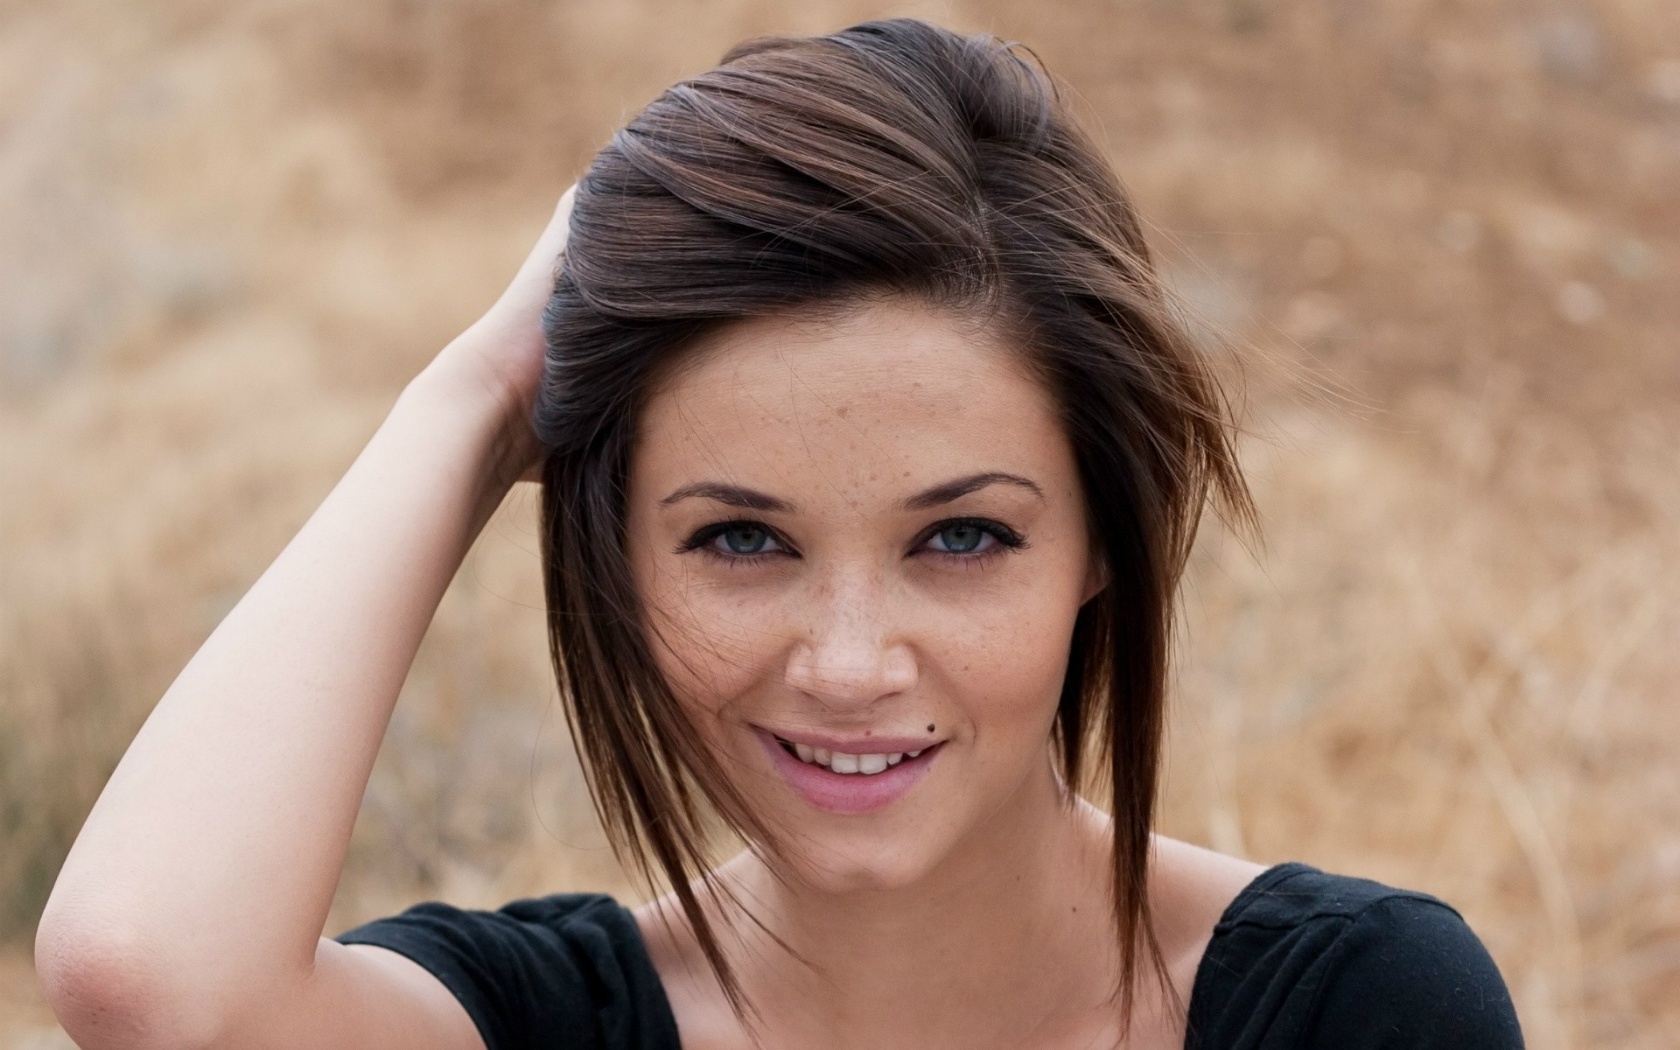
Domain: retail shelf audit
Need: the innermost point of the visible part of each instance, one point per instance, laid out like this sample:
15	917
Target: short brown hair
896	157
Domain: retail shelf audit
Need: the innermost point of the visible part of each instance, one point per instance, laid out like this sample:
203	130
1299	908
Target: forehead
887	396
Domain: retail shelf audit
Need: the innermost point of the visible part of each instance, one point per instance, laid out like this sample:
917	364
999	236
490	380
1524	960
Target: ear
1096	578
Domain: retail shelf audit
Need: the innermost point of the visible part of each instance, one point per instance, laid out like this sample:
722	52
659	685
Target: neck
1011	930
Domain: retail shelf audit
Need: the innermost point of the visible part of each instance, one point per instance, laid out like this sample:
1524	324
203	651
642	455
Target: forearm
211	858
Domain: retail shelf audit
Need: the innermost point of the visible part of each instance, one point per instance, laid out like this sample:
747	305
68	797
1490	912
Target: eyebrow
946	492
734	495
952	490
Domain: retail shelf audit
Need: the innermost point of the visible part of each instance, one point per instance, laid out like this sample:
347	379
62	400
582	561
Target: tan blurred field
1446	233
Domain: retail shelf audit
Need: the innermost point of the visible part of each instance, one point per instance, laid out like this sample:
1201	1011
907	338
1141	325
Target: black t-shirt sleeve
1305	960
1407	973
564	972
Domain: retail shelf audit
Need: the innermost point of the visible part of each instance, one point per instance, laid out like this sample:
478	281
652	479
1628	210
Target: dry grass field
1442	237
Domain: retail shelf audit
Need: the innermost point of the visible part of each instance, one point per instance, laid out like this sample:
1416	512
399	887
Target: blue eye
736	542
972	542
961	537
745	538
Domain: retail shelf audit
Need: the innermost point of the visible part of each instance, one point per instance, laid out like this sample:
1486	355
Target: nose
852	652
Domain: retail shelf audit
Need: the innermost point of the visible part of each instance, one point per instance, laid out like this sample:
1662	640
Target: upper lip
868	745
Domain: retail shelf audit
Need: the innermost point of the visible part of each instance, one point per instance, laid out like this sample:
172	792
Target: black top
1299	959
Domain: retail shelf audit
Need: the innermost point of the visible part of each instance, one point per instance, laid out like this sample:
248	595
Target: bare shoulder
1190	887
703	1017
669	940
1201	875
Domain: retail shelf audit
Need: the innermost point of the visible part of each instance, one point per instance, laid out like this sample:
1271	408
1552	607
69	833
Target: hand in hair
501	353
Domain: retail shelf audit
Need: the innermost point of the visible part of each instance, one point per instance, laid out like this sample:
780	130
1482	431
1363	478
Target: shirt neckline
1197	1005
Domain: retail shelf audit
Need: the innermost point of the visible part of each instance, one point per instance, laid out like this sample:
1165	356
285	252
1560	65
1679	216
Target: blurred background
1438	238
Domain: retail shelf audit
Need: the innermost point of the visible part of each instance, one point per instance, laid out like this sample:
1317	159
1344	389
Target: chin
843	864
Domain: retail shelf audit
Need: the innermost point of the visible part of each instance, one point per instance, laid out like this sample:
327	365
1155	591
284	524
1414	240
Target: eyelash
1007	540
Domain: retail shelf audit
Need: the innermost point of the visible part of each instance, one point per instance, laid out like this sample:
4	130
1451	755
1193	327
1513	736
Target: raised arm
190	910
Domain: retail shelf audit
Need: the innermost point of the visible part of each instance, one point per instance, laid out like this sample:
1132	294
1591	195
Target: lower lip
847	792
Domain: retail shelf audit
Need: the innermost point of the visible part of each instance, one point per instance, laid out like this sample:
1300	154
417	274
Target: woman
871	455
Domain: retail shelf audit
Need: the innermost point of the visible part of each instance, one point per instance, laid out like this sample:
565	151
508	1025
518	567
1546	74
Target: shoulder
1339	961
572	962
542	918
1190	888
696	998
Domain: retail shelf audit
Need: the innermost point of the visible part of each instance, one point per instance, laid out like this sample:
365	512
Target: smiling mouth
847	764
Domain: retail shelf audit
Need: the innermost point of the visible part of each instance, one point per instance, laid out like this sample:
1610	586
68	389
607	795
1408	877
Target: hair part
892	157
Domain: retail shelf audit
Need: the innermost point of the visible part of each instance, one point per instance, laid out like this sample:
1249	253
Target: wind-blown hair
894	157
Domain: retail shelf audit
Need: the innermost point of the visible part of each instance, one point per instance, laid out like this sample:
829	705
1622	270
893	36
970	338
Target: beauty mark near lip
848	793
857	745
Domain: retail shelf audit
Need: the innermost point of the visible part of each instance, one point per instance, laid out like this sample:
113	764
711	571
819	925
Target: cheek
1005	665
711	643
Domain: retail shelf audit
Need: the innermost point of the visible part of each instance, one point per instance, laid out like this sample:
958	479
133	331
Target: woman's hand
500	356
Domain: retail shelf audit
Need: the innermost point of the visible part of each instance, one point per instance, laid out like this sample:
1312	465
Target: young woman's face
861	545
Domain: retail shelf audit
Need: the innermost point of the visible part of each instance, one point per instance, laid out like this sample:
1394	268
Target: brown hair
895	157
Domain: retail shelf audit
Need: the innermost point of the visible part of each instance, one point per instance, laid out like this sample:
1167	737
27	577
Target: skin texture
971	913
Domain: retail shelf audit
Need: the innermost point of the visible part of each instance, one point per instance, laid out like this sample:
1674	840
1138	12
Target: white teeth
913	754
841	762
